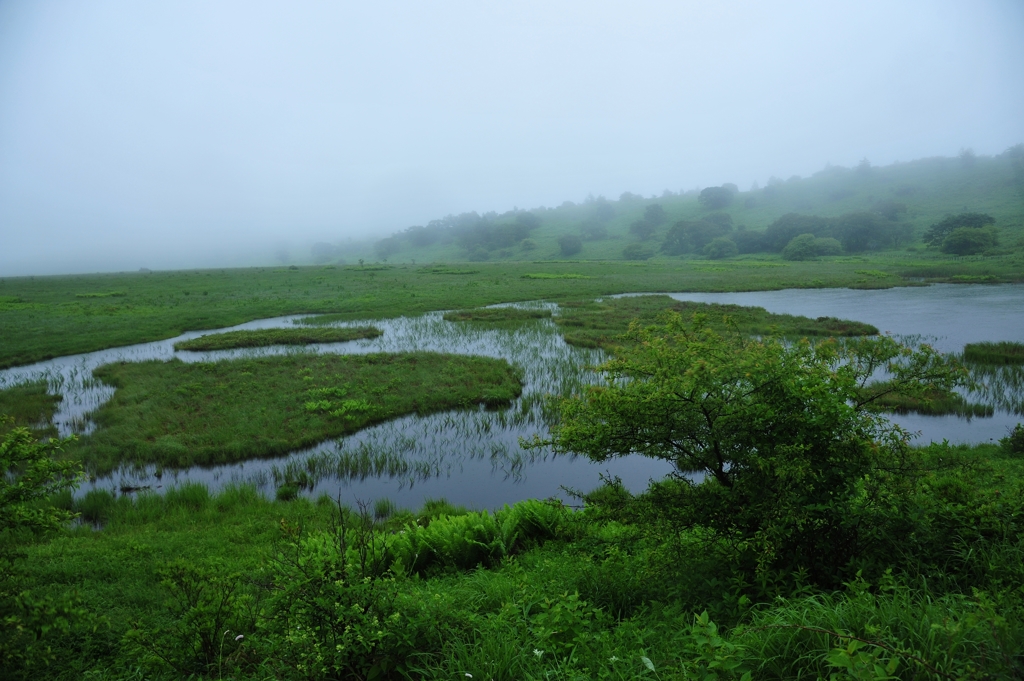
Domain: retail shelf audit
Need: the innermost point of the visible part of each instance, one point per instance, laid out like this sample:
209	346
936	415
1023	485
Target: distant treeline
478	234
837	210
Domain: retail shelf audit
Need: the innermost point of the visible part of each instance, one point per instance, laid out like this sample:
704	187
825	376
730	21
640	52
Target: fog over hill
195	134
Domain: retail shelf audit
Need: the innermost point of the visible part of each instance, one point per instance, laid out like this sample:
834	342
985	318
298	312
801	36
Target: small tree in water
778	450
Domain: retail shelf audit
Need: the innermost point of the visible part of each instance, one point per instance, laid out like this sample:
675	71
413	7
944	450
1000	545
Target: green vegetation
29	405
30	473
177	415
932	403
796	465
899	208
1005	352
496	315
235	586
49	320
263	337
592	324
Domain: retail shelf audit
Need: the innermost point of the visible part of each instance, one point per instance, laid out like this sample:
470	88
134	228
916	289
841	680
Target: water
470	457
947	316
473	457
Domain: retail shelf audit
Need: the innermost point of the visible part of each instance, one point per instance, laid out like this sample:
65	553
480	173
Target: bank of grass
933	403
1006	352
600	323
44	317
496	315
29	405
535	591
174	414
263	337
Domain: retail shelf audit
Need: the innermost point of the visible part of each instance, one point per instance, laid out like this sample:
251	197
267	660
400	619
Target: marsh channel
473	457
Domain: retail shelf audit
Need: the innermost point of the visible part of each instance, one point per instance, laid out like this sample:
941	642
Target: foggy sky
187	134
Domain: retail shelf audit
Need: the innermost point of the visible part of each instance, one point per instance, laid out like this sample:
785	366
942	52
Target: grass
43	317
534	591
600	323
934	403
29	405
176	415
263	337
1006	352
496	315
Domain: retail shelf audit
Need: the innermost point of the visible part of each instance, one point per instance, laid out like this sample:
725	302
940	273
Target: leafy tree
968	241
782	231
862	231
889	209
720	247
779	452
30	472
654	215
570	244
937	233
716	198
636	251
748	241
691	235
527	220
800	247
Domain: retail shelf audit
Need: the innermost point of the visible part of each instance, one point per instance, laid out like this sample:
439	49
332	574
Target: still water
473	457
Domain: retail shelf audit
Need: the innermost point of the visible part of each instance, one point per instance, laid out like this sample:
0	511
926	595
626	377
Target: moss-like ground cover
177	415
600	323
263	337
1006	352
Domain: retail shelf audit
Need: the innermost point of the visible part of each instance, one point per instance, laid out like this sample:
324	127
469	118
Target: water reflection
473	457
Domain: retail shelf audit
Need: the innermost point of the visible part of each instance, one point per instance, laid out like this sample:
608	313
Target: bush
716	197
1014	442
637	252
528	244
969	241
570	244
800	247
722	247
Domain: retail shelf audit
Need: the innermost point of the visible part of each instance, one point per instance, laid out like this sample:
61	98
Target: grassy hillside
908	197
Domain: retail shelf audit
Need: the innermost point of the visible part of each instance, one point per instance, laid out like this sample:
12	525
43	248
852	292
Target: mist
198	134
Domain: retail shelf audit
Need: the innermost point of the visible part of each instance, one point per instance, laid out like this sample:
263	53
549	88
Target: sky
216	133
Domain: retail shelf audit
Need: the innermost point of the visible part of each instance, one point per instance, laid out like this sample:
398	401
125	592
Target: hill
865	208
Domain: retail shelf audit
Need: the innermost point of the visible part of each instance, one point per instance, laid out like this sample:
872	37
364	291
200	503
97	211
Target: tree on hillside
862	231
967	241
782	231
777	447
691	235
570	244
938	232
654	215
716	198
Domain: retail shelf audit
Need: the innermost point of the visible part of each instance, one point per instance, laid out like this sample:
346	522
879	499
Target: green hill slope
896	203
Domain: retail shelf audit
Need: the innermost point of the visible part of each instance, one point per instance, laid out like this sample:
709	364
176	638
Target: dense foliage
792	465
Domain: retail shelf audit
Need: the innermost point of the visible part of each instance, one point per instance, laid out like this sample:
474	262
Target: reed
264	337
1005	352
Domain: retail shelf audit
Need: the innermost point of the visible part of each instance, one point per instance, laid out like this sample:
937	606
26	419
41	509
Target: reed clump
1005	352
263	337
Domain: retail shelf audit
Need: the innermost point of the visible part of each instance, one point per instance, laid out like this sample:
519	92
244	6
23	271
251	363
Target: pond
946	316
473	457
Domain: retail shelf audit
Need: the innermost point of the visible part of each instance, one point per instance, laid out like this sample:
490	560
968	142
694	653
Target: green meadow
176	415
813	542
